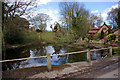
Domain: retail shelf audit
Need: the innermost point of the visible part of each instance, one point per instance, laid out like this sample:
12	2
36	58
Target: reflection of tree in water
72	58
95	55
68	58
77	57
57	49
103	53
41	51
60	59
11	65
14	54
15	64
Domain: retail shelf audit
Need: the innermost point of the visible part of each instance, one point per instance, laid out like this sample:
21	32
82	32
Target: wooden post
49	62
110	51
88	55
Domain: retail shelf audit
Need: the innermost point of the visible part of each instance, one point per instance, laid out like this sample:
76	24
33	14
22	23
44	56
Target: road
111	74
112	71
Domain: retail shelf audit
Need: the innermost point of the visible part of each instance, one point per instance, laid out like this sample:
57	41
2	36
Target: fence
48	56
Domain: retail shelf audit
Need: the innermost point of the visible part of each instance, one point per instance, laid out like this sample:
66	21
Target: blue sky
52	9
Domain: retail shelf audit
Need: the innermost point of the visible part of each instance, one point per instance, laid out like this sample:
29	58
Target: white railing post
49	62
88	55
110	52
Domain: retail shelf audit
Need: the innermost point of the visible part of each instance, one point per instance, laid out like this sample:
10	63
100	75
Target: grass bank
33	38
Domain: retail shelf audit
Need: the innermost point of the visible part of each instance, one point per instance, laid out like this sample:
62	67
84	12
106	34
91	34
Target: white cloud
96	11
54	15
56	11
104	13
44	1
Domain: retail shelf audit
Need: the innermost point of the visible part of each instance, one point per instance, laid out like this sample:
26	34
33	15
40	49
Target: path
72	70
111	71
77	70
112	74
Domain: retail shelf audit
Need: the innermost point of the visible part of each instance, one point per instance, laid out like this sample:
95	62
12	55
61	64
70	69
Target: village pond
42	51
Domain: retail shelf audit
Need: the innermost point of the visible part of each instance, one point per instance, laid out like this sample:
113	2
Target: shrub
13	34
37	30
102	35
111	37
97	39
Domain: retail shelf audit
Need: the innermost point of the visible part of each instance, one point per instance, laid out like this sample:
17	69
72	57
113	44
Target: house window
104	28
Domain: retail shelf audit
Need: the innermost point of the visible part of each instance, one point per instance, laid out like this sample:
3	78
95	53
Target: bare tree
96	20
112	17
40	20
19	7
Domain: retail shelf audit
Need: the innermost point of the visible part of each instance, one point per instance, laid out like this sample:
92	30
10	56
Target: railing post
88	55
49	62
110	51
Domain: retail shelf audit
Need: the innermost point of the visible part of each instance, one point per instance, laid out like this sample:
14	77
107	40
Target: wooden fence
48	56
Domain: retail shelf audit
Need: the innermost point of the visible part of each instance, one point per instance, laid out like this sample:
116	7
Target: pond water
42	51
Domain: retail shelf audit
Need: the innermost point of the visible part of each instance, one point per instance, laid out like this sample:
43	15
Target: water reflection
42	51
95	55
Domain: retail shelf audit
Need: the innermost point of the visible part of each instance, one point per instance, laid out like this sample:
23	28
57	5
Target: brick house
98	30
22	22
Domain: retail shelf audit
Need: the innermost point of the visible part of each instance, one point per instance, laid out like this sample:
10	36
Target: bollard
88	55
49	62
110	51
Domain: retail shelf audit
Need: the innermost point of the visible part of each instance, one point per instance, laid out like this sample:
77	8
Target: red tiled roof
110	26
92	31
95	28
114	30
99	27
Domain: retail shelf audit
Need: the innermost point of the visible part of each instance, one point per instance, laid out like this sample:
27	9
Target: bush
37	30
97	39
111	37
13	34
64	38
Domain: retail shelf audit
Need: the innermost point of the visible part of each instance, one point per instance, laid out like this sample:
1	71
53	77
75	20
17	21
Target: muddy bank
26	72
60	71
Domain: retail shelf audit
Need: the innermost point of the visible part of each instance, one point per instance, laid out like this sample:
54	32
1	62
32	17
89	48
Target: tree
40	20
109	31
37	30
76	17
117	19
11	18
102	34
113	17
93	18
99	20
96	20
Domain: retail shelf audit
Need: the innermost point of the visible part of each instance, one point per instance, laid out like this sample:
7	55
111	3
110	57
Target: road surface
112	71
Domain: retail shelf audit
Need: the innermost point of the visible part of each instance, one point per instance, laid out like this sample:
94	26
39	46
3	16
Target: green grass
31	37
35	37
64	38
48	37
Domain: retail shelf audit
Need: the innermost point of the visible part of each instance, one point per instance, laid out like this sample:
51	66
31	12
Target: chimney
110	26
104	23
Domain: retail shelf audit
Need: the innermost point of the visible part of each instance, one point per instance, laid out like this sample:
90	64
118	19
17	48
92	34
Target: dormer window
104	28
